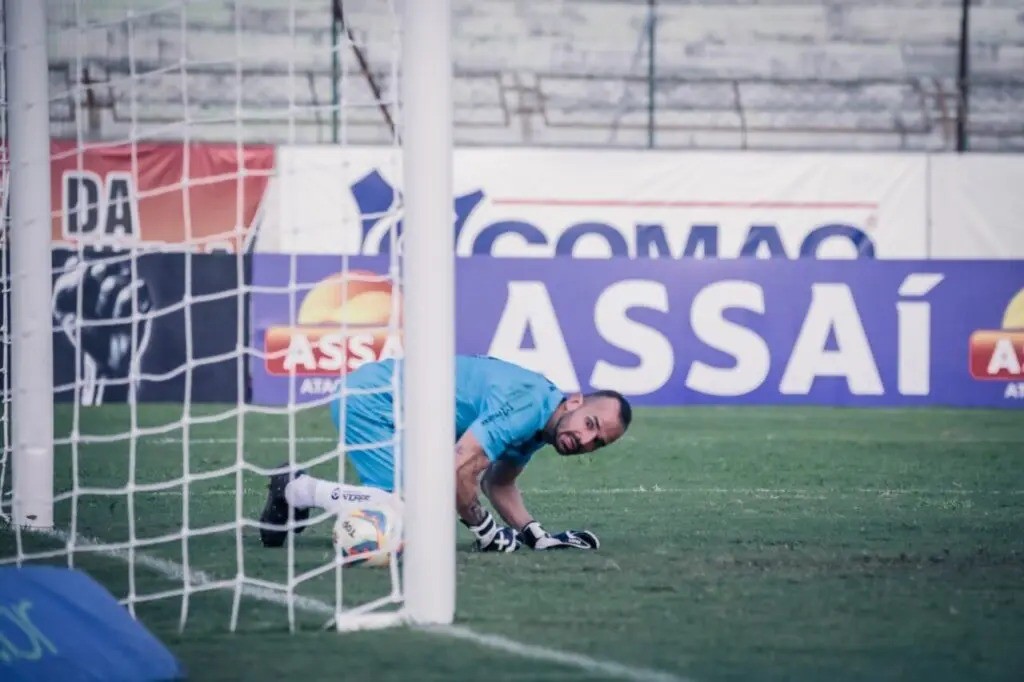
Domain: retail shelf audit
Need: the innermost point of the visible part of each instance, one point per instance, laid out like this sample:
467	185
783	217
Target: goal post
31	355
429	264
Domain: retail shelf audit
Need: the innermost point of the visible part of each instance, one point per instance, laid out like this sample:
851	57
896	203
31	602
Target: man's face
588	424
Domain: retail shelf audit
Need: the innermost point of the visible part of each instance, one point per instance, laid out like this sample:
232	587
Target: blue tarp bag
61	625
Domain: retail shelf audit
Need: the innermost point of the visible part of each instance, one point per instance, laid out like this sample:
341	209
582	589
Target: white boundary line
164	441
175	571
169	440
803	493
591	665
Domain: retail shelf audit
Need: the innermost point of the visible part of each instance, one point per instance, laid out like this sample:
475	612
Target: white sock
306	491
299	492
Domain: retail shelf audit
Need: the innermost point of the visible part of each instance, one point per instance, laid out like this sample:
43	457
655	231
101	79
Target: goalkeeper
503	415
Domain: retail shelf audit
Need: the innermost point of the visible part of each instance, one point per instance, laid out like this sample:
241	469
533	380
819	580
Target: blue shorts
369	428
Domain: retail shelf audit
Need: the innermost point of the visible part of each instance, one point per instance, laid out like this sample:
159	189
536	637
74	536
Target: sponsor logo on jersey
505	410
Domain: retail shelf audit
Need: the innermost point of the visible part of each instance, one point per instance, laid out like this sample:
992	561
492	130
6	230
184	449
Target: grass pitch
737	544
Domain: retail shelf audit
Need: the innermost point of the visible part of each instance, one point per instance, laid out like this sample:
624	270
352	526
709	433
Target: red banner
197	197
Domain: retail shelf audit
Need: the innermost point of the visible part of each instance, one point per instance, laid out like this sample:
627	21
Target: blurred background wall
936	75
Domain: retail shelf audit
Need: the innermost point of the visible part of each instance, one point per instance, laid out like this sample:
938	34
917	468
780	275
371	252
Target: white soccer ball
368	535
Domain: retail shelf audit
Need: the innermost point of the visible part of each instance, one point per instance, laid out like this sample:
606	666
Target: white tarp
538	203
977	206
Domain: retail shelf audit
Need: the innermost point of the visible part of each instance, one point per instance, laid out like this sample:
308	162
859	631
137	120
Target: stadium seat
768	73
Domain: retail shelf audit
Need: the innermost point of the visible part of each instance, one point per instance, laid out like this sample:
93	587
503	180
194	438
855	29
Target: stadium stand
743	74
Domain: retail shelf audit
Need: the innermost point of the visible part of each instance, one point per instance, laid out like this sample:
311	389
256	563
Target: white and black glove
536	537
490	537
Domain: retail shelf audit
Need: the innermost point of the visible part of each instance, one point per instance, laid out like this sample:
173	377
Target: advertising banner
313	320
539	203
196	197
174	316
749	331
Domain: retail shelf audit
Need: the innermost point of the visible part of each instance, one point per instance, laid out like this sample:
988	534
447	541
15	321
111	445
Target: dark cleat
275	511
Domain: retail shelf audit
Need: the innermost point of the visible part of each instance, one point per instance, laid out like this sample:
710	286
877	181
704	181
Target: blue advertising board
747	331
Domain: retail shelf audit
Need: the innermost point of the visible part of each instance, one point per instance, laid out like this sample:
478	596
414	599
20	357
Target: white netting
160	111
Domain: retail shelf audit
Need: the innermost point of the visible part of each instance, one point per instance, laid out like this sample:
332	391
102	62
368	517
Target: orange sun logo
345	320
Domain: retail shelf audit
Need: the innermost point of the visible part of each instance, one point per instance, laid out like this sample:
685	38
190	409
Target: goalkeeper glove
538	538
492	538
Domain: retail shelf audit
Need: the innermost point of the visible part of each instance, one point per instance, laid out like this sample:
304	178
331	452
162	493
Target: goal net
204	317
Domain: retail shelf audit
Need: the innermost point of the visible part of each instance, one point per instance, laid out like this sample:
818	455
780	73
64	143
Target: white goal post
429	310
31	371
423	592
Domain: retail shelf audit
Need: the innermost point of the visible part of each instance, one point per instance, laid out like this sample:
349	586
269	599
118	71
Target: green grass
737	544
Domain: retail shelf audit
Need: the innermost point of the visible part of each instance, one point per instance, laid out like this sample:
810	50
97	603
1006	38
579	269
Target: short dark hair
625	410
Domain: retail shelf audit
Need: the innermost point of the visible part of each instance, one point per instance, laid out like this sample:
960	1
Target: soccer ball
359	532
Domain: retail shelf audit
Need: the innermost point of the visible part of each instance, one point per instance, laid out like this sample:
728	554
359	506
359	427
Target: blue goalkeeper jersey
505	406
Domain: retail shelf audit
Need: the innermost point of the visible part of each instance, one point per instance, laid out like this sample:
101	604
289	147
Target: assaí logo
344	321
375	197
998	354
831	340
